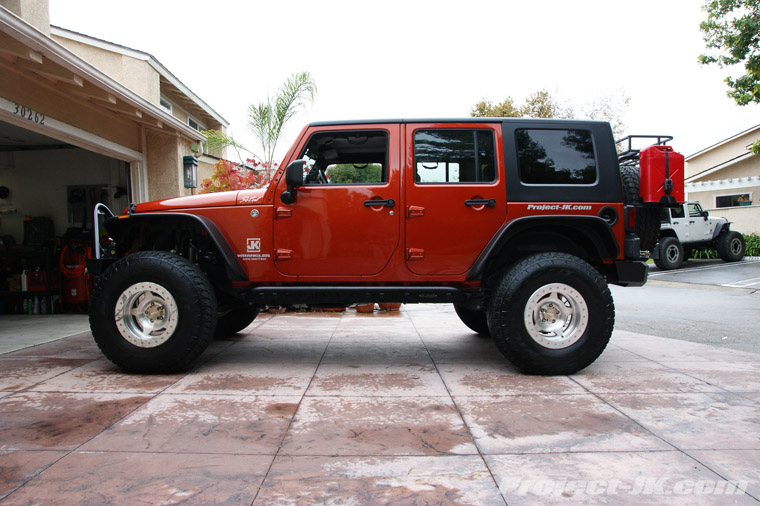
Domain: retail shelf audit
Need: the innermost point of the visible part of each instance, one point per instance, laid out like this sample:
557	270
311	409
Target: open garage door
48	190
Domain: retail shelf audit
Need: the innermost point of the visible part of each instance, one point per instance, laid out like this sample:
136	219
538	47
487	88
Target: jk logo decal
254	245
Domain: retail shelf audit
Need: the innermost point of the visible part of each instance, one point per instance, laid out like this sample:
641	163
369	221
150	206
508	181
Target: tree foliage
487	109
732	32
543	104
232	176
355	173
267	120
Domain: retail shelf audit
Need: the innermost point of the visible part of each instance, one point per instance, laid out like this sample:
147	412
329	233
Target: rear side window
556	157
454	156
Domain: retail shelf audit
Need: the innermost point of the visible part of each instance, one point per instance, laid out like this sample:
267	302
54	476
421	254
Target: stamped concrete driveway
404	408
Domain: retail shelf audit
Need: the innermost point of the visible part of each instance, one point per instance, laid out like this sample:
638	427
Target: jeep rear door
455	194
345	218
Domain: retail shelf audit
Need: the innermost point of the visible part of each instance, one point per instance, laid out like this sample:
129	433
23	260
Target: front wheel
730	246
153	312
552	313
670	254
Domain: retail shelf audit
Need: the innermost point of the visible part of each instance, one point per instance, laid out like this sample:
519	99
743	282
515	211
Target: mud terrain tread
723	245
505	315
193	293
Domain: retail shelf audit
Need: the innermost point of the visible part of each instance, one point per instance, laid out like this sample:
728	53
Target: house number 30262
29	114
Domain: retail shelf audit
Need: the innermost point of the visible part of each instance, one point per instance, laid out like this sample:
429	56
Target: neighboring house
83	121
725	179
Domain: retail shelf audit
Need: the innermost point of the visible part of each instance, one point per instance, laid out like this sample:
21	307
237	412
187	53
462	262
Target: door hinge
283	212
415	254
415	211
283	254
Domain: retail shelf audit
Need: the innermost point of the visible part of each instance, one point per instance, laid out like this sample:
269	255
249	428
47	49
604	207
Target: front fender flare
117	225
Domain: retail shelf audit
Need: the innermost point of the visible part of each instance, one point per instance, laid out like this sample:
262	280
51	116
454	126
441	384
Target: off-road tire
730	245
670	254
535	286
235	320
647	221
477	321
183	301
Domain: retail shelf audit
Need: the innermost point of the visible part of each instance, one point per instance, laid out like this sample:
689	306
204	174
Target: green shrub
704	254
753	245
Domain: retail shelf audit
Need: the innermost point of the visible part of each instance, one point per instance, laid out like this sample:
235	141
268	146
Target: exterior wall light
190	166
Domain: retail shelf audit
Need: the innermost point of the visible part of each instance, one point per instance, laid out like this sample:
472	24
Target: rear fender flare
597	231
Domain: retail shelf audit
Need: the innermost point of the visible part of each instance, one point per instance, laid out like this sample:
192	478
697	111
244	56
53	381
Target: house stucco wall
34	12
164	157
712	157
135	74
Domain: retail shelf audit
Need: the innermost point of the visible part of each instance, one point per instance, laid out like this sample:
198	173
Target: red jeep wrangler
519	223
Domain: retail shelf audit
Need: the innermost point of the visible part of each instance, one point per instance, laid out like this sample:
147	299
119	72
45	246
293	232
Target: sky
431	59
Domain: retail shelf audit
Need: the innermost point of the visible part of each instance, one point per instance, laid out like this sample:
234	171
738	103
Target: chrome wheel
556	316
146	315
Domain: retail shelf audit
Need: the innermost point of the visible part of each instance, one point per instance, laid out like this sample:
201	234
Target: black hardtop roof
546	121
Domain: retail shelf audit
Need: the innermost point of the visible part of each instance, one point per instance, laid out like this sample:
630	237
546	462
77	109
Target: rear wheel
730	246
153	312
670	254
235	320
477	321
552	313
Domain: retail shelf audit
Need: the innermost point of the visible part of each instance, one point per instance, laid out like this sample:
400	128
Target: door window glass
346	157
695	211
454	156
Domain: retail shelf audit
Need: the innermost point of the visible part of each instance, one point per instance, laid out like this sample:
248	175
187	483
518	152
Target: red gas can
662	173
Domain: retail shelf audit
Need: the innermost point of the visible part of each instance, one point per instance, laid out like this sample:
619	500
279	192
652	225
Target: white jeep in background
686	228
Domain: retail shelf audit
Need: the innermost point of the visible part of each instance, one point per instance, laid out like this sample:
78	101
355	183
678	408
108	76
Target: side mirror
705	214
293	180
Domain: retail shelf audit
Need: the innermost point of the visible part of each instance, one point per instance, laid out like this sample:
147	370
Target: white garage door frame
16	114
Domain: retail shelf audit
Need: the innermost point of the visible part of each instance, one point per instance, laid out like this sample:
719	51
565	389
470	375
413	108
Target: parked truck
687	228
520	223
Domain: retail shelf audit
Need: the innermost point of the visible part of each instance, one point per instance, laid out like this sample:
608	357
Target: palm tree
267	120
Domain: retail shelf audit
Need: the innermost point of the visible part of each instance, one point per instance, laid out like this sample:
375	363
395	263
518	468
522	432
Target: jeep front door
345	218
700	228
455	195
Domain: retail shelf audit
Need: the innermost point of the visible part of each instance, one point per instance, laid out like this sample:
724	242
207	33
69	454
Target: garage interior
48	190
